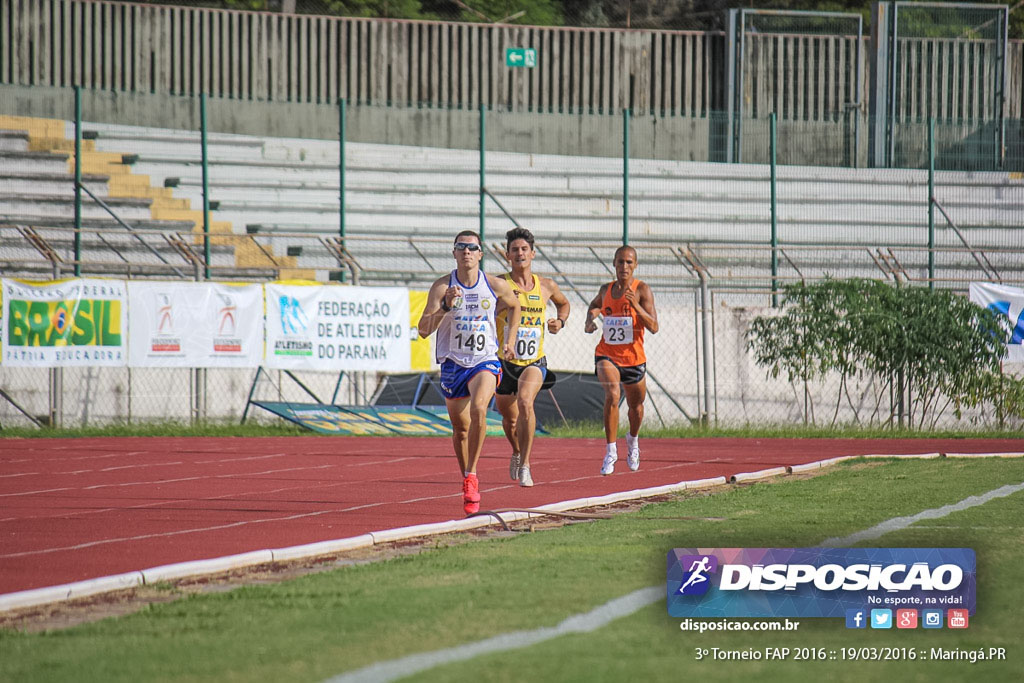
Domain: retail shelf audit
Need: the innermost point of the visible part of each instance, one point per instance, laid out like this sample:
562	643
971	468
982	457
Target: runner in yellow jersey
524	371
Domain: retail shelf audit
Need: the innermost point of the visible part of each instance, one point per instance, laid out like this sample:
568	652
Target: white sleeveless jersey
468	334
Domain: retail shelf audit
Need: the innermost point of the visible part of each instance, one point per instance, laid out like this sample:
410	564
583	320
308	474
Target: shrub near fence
925	350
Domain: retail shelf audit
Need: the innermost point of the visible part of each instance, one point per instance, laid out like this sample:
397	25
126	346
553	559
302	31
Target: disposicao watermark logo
695	581
817	582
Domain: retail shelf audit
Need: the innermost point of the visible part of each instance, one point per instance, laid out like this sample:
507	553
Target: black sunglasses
463	246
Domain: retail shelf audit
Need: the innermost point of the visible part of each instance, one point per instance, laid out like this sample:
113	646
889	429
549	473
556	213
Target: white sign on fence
1008	301
337	328
80	322
195	325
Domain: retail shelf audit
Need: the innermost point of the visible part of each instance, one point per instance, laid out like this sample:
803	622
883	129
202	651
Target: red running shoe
471	494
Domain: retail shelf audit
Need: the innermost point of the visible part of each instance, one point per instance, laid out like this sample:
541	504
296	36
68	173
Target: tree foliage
692	15
933	346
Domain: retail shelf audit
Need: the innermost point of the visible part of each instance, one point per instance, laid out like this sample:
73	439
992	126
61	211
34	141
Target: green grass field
324	624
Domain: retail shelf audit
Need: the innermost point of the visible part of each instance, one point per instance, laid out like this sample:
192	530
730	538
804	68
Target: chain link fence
357	208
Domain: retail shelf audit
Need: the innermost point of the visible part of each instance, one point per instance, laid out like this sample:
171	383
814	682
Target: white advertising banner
80	322
1007	301
337	328
195	325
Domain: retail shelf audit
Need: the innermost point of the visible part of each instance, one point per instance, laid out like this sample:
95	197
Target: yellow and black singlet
529	345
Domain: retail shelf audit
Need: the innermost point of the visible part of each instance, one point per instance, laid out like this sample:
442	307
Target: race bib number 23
618	329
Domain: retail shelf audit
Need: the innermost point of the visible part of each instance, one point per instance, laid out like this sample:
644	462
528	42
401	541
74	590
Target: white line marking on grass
899	523
578	623
619	607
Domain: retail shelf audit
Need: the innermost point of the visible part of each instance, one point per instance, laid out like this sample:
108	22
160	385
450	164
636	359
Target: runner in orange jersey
626	307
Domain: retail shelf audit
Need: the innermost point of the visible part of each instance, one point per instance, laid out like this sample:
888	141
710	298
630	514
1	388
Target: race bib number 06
528	343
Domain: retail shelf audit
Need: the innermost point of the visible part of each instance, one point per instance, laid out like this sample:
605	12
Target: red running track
74	509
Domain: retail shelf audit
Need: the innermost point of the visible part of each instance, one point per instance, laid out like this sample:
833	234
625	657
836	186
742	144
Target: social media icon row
905	618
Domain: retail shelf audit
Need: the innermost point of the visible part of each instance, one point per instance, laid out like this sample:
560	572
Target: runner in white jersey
461	307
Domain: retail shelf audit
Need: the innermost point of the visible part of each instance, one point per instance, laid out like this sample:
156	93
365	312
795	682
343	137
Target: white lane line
395	669
899	523
258	494
579	623
160	482
230	525
119	467
248	457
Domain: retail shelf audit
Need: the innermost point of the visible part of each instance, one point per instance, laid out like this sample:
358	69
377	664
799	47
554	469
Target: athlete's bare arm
642	301
507	301
553	294
432	313
594	310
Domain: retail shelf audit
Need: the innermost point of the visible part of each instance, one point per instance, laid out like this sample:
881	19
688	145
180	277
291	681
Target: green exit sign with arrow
521	56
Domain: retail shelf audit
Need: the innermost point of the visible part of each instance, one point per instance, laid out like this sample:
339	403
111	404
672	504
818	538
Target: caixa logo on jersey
816	582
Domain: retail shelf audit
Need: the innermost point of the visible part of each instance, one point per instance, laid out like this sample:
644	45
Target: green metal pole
625	176
483	166
78	180
342	135
341	168
931	203
206	187
773	137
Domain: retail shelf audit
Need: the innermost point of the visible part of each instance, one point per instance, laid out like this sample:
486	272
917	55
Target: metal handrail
576	263
129	228
963	240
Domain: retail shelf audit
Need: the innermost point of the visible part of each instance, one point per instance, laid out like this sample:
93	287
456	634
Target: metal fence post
342	135
705	323
625	176
78	180
483	167
878	122
931	203
772	124
206	187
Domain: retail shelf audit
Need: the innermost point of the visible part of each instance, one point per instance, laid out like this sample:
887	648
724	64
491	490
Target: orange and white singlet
622	333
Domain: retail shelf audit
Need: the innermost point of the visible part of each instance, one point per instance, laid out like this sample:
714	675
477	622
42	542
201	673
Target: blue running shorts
455	378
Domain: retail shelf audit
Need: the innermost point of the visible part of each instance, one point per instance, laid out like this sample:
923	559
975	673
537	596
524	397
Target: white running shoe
514	463
633	459
608	466
524	476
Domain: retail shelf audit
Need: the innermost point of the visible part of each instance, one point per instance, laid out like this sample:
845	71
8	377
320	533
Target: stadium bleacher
275	205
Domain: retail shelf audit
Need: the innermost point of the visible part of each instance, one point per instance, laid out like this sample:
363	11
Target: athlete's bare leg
506	404
458	415
481	389
635	396
526	427
608	376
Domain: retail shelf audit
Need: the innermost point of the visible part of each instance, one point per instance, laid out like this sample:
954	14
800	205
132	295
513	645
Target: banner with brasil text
195	325
337	328
63	324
